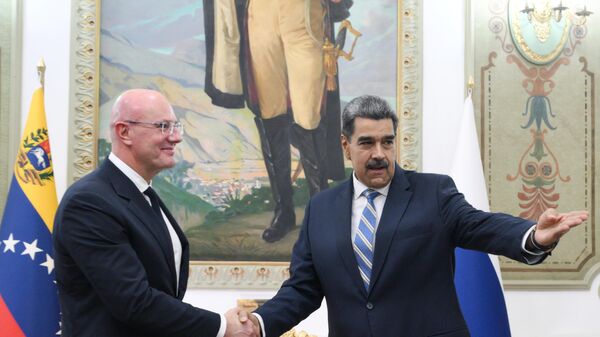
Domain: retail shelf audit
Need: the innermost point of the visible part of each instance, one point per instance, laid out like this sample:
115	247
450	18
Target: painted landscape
219	191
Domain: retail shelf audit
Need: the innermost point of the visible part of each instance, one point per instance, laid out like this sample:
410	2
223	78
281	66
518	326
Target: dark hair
366	106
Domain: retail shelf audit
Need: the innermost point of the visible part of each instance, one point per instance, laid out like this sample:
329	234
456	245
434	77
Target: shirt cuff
262	324
531	257
223	327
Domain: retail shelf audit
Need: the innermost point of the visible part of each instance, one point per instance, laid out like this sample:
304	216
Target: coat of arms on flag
33	160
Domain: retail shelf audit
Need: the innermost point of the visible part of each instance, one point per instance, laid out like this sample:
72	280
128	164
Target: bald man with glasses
121	259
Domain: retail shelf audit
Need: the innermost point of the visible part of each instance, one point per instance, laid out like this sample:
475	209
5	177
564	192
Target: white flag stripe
467	168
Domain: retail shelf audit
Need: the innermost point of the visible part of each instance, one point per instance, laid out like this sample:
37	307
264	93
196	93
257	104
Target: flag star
48	264
31	249
10	243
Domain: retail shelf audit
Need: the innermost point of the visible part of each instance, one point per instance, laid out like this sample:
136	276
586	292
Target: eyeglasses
166	127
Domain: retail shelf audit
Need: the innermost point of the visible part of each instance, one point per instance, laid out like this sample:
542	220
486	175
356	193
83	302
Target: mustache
377	164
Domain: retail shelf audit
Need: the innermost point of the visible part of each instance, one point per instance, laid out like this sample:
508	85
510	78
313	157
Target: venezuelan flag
28	295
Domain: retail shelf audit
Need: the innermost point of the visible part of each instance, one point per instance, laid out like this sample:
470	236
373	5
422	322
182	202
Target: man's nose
378	151
175	137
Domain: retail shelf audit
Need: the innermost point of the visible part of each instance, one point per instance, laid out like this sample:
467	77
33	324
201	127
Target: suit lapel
138	205
395	205
343	210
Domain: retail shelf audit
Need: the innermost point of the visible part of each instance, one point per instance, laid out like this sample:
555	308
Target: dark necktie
155	203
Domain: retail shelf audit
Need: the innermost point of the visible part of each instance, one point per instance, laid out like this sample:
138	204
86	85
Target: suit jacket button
369	305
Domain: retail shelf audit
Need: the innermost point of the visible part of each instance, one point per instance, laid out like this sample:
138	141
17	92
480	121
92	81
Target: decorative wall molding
409	90
83	104
550	163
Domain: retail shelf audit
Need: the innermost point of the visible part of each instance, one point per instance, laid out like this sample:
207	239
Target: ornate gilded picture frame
94	61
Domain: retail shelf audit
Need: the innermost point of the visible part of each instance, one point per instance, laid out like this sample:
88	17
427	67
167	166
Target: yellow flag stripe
37	184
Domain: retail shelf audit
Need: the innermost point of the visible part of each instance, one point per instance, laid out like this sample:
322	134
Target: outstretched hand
552	225
239	324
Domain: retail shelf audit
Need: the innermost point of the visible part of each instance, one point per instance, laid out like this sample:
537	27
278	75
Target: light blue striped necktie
363	241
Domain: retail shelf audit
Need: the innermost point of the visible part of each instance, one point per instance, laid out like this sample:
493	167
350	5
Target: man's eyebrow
363	138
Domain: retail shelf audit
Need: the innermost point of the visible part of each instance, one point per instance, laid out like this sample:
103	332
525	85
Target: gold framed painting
220	191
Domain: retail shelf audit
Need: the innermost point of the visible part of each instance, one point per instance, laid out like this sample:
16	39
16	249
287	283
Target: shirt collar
359	188
130	173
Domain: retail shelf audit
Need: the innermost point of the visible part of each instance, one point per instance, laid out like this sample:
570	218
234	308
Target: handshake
240	323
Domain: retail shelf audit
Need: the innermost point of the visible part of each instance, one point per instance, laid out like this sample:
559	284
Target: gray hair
366	106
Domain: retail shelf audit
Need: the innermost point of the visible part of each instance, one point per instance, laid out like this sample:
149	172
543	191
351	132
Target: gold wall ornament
294	333
541	23
541	32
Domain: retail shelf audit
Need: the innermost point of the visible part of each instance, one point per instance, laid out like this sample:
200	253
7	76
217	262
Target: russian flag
28	295
477	282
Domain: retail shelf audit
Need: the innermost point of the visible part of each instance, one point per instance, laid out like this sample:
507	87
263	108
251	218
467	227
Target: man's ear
122	131
346	147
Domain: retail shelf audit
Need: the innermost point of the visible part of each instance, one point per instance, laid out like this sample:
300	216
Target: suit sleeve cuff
262	324
223	327
531	257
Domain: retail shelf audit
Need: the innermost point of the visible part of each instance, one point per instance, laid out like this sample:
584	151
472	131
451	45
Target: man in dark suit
121	258
380	247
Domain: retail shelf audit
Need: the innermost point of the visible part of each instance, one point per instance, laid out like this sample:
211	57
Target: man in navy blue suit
380	247
121	258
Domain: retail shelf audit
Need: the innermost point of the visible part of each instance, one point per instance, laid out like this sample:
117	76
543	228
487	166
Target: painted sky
176	28
153	24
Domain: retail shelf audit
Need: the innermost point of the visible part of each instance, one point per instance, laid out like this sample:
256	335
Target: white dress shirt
359	201
143	185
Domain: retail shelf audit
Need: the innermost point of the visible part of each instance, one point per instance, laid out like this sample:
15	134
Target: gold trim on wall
83	104
82	146
409	87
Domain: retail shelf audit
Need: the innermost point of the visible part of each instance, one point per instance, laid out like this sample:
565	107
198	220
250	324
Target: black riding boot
311	144
275	143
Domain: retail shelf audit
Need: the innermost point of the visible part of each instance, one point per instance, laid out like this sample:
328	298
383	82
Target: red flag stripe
8	325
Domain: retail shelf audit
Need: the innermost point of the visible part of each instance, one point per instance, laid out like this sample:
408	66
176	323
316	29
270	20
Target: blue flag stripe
27	288
480	295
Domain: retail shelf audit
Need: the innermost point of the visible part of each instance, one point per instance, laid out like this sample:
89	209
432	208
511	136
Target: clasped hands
241	324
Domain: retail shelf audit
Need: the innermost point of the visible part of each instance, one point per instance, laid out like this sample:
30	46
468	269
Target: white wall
46	27
531	313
